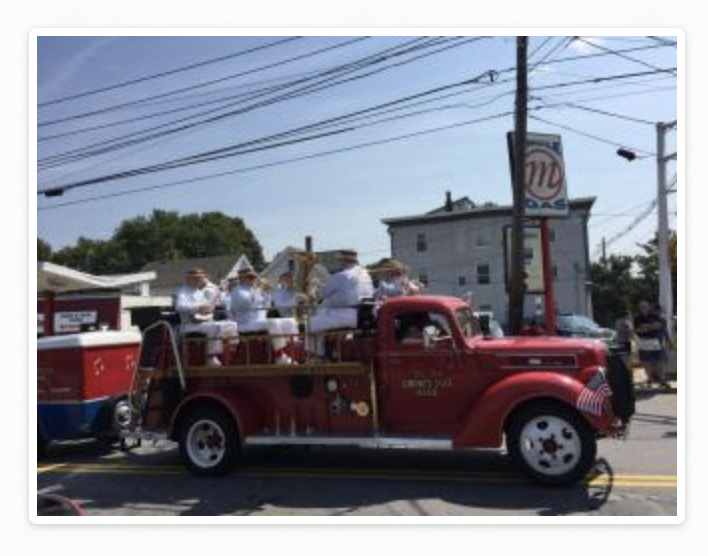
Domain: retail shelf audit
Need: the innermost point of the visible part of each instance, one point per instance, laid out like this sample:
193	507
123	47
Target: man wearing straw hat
195	302
248	306
394	282
341	296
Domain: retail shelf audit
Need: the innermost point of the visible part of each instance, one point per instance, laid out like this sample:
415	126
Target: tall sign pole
517	284
666	298
549	298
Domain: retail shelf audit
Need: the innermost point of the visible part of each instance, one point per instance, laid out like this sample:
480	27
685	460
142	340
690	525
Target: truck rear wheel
552	444
208	441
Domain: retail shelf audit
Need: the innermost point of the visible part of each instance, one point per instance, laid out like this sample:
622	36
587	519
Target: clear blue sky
340	199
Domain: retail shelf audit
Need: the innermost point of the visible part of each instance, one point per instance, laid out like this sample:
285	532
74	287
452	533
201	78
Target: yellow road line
642	481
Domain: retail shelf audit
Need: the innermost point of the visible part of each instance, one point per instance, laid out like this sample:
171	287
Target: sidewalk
641	382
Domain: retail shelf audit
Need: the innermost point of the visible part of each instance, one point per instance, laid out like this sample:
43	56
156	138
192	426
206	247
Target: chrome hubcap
123	415
550	445
206	443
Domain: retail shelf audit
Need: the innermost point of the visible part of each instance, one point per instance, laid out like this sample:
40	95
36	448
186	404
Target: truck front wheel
208	441
552	444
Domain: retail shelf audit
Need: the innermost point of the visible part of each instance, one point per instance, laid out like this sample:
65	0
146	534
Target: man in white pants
341	296
195	303
248	306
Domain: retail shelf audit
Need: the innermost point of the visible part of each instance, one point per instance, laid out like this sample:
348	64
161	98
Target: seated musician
341	296
395	282
196	302
248	306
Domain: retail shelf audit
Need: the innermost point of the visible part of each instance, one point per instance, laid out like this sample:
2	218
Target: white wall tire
551	443
208	441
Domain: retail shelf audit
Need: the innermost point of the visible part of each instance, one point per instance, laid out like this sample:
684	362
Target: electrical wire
620	55
284	161
208	83
166	73
113	144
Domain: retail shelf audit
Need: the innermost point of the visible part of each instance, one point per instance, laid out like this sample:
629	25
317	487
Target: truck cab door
427	385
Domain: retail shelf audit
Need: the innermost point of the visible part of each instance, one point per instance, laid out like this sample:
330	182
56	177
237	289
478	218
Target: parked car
581	326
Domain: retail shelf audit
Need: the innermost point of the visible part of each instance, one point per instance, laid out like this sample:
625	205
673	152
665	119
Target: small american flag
595	395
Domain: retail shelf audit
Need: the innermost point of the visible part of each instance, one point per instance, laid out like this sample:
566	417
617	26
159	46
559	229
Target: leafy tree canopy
162	236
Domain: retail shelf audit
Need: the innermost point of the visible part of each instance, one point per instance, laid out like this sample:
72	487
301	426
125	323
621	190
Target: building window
551	235
555	272
462	281
421	244
483	274
423	277
481	241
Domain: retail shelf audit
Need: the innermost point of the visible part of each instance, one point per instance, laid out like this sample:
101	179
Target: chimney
448	201
308	244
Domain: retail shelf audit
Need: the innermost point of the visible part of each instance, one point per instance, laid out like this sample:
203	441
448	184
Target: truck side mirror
430	334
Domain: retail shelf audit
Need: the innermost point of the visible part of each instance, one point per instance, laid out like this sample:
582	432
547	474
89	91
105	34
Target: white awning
60	279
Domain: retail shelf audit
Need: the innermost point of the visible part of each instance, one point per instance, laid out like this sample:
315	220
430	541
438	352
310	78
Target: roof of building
61	279
474	211
170	274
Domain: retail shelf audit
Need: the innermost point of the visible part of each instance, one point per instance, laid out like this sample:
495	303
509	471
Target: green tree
167	235
612	287
647	286
44	250
162	236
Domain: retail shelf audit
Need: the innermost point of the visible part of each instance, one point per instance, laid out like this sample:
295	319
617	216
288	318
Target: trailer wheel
551	444
122	415
208	441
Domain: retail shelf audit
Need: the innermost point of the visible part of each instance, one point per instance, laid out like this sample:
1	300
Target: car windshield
468	323
578	322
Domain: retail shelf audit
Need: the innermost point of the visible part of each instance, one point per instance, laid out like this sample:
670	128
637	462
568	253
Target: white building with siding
459	248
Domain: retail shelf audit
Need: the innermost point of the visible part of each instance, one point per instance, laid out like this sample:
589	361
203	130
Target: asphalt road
633	477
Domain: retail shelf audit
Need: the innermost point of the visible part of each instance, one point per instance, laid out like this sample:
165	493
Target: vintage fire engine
418	376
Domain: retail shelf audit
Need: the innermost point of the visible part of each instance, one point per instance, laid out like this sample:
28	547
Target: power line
208	83
237	149
284	161
591	136
620	55
166	73
73	155
115	144
605	113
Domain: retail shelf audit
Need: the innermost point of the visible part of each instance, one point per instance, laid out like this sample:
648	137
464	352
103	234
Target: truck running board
375	442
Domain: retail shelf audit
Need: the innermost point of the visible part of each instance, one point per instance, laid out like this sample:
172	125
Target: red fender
243	411
484	426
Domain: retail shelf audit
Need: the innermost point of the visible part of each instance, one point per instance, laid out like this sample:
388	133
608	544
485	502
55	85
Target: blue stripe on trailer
66	420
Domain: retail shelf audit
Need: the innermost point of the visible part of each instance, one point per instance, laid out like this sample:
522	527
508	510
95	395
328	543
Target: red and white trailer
83	378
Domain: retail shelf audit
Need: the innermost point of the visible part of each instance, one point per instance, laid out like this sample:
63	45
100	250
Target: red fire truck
419	376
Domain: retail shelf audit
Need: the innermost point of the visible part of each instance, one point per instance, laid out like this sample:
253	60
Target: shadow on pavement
320	481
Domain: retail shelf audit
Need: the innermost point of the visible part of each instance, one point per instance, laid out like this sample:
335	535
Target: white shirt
347	288
393	287
247	305
284	301
189	300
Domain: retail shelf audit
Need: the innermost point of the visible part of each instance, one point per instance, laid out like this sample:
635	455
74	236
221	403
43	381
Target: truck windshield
468	323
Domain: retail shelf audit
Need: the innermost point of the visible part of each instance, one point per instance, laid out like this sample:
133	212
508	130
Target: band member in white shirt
395	282
341	296
249	306
195	302
284	297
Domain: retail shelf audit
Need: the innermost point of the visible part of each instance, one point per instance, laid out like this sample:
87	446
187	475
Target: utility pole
517	282
666	298
604	251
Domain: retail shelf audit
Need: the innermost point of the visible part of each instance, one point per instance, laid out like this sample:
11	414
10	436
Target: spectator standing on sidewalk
624	330
650	332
